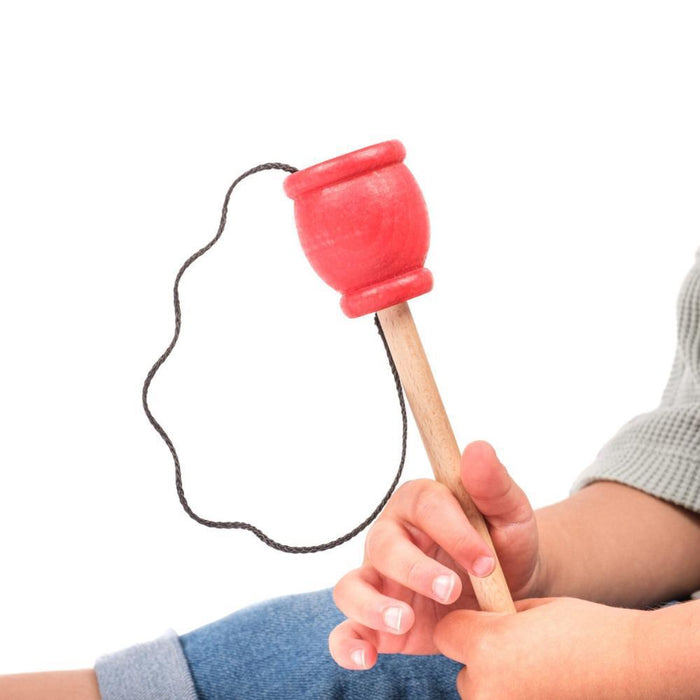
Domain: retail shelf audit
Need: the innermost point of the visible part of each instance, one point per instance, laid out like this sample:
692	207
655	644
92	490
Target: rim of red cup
344	167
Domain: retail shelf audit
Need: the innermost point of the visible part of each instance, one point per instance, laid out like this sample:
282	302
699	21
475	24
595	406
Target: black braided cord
166	438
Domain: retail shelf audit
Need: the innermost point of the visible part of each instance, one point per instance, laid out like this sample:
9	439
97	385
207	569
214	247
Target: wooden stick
439	440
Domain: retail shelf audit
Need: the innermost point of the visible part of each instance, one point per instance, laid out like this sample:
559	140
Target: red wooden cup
363	225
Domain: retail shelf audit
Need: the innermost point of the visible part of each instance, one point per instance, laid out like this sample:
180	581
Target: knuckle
412	575
426	500
405	488
506	489
465	542
367	613
408	490
340	591
374	542
400	496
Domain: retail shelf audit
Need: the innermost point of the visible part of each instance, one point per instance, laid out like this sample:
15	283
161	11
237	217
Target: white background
558	148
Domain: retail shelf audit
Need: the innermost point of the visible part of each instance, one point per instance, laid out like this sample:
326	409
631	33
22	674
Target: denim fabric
279	650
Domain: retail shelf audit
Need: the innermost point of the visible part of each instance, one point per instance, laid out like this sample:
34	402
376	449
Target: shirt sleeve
659	452
156	670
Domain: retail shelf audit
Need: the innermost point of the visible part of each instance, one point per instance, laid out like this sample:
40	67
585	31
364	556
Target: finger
434	510
353	646
391	552
357	597
459	633
495	494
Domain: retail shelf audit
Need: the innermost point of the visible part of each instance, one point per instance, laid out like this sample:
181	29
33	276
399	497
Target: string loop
241	525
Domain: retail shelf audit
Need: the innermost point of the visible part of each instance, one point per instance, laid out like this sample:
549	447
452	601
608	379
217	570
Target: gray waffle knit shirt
657	452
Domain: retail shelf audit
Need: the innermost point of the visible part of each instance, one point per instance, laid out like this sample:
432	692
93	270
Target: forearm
667	649
617	545
57	685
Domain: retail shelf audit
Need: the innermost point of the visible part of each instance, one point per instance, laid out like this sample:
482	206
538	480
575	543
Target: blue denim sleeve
156	670
277	650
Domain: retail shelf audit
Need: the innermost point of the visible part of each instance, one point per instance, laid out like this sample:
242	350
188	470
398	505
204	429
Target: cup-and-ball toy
363	225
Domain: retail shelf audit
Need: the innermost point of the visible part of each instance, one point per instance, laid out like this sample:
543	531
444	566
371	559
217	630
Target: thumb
459	633
495	494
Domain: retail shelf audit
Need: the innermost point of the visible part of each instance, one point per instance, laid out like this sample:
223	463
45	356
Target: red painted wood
363	225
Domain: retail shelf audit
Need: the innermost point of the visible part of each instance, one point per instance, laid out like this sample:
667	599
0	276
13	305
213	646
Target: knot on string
241	525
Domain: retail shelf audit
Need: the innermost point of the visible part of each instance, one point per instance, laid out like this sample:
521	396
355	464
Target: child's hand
416	554
558	648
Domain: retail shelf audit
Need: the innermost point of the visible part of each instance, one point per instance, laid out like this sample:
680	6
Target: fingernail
358	658
483	566
442	586
392	618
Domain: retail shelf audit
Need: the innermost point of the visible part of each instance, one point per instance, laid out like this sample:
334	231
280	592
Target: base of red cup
388	293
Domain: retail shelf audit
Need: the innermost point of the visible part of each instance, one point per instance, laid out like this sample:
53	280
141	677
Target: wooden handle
439	440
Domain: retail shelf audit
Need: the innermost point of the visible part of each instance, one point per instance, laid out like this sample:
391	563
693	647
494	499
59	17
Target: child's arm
617	545
57	685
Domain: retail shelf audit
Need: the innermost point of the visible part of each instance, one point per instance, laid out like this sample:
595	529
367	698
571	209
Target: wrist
546	579
57	685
